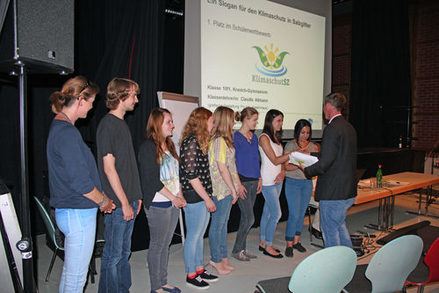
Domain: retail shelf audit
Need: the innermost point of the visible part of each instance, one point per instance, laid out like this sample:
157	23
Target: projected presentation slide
265	55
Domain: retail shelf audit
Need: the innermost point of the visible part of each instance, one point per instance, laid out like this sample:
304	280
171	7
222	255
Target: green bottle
379	177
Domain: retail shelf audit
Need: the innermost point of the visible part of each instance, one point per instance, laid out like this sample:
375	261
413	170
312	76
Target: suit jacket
337	163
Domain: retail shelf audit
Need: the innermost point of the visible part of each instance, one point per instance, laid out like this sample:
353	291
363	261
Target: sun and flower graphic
271	61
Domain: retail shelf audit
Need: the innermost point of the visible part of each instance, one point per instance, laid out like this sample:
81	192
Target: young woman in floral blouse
197	190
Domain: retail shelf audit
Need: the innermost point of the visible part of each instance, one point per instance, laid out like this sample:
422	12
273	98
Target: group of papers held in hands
298	158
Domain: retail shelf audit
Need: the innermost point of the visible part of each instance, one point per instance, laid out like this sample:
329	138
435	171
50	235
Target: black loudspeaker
38	33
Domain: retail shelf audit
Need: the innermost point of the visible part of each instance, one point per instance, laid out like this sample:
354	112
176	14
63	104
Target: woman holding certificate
298	189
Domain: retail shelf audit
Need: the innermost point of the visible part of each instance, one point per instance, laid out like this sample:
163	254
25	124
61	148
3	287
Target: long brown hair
197	125
268	126
154	131
223	124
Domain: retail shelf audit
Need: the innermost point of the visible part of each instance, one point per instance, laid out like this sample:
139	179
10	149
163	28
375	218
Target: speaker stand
25	244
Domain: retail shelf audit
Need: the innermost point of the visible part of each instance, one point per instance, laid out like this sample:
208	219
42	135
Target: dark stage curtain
112	38
380	76
9	138
117	39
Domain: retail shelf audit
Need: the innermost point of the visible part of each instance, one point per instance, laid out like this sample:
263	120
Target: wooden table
393	185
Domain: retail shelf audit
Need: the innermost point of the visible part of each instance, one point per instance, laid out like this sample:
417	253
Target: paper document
297	158
393	183
365	183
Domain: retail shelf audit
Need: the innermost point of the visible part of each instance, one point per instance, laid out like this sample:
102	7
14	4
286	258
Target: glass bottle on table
379	177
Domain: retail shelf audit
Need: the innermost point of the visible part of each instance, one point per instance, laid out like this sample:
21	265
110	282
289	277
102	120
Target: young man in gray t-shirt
120	181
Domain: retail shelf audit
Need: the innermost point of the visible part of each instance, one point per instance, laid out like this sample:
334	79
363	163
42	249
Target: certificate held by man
298	158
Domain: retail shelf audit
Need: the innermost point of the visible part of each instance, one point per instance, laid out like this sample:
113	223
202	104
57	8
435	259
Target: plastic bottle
400	142
379	177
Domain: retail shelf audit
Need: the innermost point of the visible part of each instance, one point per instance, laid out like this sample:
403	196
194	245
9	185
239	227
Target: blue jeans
115	268
161	223
271	212
79	229
197	218
218	228
332	222
247	215
298	193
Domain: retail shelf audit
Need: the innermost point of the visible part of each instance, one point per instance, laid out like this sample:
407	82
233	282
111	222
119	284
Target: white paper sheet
297	158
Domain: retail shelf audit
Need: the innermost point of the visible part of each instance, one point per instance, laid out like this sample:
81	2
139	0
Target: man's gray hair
338	100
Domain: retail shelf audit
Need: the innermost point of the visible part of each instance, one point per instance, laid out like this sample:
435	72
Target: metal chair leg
51	264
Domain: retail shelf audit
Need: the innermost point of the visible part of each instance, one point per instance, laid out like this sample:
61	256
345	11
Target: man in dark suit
336	184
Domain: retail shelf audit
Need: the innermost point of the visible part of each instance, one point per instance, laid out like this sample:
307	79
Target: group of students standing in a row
215	168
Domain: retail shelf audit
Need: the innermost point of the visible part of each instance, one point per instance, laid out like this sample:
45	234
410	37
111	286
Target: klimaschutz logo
271	61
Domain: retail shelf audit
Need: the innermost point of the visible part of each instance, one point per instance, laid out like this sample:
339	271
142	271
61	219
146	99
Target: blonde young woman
226	186
162	196
197	190
248	165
